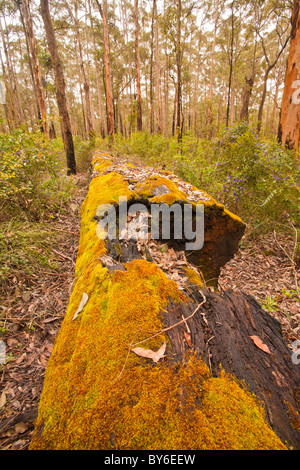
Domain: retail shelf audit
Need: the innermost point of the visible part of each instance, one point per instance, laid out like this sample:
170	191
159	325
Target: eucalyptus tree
60	88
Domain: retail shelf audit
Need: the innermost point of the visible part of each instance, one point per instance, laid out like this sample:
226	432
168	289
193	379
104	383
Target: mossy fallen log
138	362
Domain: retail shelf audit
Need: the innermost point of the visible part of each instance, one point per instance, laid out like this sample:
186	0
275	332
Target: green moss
99	395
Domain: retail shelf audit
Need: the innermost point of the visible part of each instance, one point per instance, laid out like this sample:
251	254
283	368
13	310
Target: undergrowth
255	178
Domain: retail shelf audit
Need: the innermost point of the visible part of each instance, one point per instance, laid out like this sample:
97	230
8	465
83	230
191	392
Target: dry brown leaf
20	427
2	399
84	300
258	342
154	355
188	339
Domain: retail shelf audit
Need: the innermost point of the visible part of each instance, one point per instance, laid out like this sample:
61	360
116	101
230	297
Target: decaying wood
228	330
221	334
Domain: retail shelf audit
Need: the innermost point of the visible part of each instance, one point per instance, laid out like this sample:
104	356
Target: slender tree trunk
230	65
38	111
108	79
268	71
59	88
86	86
36	66
99	98
244	114
157	72
289	129
262	102
212	65
11	79
279	80
138	67
178	116
9	110
151	71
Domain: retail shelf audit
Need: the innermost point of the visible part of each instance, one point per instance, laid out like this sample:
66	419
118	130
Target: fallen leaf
155	356
188	339
258	342
84	300
20	427
2	399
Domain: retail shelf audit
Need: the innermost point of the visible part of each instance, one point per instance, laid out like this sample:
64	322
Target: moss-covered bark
98	394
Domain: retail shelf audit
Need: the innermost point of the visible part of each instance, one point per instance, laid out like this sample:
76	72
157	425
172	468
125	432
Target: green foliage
255	178
260	178
84	151
270	304
32	174
25	248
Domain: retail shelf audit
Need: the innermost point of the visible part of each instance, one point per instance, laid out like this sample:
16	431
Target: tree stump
150	355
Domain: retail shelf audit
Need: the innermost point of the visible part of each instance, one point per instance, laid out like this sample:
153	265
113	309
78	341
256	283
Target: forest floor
262	268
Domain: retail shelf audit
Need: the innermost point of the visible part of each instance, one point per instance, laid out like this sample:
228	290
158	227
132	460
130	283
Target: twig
62	255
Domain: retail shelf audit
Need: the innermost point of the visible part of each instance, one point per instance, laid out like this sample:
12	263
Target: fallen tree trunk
148	355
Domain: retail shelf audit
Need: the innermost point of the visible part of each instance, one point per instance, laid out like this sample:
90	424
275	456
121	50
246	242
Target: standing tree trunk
230	65
100	104
178	99
38	111
270	67
157	71
289	130
86	85
36	66
138	67
151	72
12	90
212	66
59	88
108	80
244	114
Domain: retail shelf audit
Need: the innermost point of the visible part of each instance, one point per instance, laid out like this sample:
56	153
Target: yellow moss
193	277
99	395
147	407
146	189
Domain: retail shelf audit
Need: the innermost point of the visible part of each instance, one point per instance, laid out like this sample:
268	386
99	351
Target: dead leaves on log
82	304
148	353
258	342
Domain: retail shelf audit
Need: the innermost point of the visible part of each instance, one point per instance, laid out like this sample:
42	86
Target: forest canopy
176	66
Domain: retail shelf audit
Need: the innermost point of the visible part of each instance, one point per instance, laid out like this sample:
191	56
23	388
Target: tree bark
36	66
139	119
289	129
60	88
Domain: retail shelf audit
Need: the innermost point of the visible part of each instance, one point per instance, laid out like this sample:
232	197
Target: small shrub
33	178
